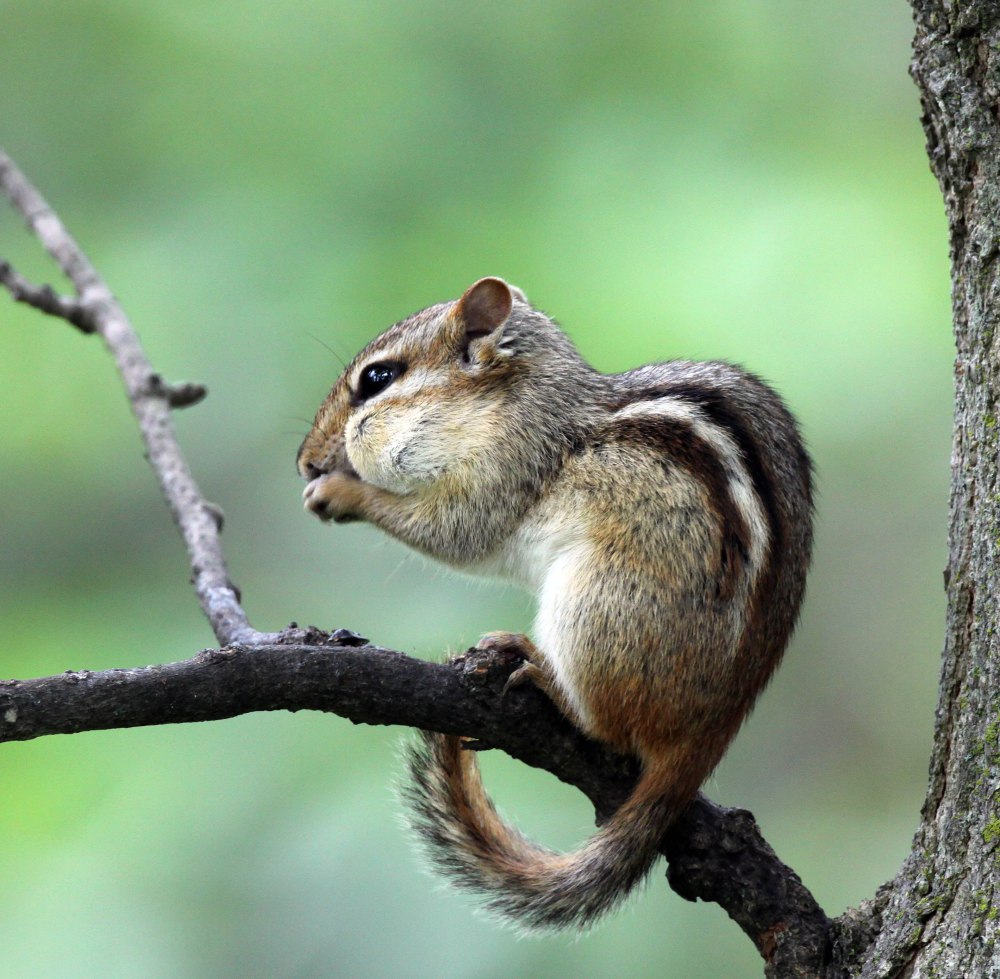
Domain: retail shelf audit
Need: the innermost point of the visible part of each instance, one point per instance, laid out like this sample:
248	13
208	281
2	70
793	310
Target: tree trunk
941	915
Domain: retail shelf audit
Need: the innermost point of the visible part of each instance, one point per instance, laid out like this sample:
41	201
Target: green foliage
266	186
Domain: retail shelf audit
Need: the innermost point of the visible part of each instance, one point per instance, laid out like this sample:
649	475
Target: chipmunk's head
424	401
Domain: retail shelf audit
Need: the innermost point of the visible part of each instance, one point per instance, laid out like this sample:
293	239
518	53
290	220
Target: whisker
323	343
395	571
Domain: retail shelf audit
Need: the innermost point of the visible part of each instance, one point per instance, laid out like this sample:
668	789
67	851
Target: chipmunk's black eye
377	377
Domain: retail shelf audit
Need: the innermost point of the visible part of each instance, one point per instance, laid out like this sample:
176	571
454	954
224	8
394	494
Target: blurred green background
262	182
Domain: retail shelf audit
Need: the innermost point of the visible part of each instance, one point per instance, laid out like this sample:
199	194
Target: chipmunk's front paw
335	496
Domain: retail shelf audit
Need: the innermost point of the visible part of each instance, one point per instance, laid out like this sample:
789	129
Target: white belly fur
548	557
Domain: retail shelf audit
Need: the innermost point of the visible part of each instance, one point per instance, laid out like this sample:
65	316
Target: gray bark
941	914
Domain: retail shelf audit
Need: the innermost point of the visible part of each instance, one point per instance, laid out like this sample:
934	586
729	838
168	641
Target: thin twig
45	299
151	400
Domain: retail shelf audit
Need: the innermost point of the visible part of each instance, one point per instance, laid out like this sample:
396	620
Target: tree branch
45	299
151	400
715	854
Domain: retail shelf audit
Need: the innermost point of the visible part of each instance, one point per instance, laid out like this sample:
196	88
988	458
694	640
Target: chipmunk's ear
484	307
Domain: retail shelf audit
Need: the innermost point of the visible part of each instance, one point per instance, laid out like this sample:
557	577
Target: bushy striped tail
534	887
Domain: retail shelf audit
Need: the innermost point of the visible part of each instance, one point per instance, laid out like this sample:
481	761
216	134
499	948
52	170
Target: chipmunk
662	517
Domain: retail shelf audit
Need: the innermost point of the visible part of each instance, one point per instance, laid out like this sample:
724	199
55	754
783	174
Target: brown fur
663	518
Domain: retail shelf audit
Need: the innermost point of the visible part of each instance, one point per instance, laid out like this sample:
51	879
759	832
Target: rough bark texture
941	914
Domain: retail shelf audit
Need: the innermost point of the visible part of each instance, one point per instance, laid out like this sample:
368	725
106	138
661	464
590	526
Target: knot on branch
45	299
181	395
312	635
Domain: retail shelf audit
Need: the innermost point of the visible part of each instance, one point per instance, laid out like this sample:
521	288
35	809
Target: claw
527	672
